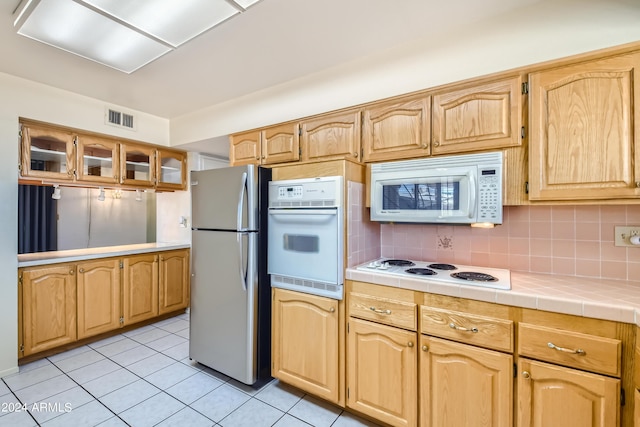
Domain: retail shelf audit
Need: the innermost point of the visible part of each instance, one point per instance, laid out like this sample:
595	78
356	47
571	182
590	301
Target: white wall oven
305	244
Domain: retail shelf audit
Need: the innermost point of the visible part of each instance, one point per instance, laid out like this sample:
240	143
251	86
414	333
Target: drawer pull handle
460	328
379	311
526	375
577	351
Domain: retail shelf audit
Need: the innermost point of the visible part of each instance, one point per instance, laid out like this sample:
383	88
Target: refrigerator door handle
243	190
243	271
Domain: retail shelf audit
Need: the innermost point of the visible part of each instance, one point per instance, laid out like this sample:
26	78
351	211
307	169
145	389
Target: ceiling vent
120	119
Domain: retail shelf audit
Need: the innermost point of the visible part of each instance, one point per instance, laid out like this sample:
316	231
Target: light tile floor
144	378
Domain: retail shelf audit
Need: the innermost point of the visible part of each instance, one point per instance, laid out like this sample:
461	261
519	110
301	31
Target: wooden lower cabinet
49	307
98	296
382	379
463	385
173	285
556	396
305	342
140	287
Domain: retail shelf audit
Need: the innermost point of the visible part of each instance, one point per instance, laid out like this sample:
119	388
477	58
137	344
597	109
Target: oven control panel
321	192
290	192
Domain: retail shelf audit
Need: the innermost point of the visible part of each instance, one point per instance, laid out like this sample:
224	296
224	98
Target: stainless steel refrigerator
230	292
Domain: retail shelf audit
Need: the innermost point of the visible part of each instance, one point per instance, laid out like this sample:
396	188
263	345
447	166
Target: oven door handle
303	212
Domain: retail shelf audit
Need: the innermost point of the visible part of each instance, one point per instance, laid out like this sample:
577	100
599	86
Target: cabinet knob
71	271
526	375
425	348
332	309
355	155
410	344
80	271
263	157
258	158
435	144
637	183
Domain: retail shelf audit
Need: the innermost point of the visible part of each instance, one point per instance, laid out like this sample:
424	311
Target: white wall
23	98
547	30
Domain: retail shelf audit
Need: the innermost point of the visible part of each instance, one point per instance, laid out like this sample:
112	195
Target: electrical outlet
623	235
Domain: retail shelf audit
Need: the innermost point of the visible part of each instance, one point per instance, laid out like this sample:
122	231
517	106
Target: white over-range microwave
461	189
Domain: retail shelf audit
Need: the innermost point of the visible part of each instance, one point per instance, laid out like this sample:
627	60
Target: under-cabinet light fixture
116	194
483	225
101	195
138	196
125	35
56	192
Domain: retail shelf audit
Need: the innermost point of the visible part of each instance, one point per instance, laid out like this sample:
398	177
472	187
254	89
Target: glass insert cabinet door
171	168
47	153
97	160
137	165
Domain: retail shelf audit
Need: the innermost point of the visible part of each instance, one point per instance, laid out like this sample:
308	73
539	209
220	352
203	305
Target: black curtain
37	219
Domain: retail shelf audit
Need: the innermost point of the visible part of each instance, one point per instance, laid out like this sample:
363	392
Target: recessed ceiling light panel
76	29
174	22
125	35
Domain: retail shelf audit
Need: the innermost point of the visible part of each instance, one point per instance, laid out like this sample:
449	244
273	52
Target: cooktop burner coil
399	262
421	271
473	276
442	266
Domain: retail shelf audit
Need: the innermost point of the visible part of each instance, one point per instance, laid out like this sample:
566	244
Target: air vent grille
120	119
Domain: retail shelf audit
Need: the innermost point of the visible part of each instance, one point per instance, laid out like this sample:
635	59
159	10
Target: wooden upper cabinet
98	160
281	144
333	136
171	169
137	166
397	129
244	148
480	117
585	131
47	152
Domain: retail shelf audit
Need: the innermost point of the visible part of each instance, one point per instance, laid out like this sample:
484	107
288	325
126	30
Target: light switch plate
623	235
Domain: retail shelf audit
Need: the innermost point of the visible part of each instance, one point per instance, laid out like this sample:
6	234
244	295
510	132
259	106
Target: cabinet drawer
468	328
574	349
383	310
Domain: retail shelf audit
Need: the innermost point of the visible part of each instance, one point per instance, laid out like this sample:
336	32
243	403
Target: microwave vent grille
437	162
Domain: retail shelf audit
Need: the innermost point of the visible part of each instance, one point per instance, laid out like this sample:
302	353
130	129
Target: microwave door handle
473	188
243	189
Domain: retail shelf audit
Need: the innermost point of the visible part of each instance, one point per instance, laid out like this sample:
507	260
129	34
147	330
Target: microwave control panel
490	195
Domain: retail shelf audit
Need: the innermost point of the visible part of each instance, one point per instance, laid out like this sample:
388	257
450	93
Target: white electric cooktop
485	277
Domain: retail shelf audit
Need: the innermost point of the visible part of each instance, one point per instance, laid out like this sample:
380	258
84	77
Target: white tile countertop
72	255
617	300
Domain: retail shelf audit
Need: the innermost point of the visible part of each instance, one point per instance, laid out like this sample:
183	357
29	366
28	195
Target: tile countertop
72	255
617	300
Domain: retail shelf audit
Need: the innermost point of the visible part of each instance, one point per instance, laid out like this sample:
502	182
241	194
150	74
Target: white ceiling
273	42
